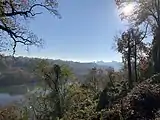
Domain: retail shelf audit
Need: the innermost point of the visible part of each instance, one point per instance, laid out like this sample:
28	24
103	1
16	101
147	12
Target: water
6	98
11	94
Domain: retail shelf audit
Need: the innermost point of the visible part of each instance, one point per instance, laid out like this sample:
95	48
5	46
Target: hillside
19	70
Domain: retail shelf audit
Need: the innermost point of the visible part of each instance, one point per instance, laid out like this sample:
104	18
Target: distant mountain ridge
19	70
116	65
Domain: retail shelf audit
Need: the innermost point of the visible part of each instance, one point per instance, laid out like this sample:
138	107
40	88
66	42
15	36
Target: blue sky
85	32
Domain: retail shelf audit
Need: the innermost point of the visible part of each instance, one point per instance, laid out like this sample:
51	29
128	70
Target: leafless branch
30	11
11	11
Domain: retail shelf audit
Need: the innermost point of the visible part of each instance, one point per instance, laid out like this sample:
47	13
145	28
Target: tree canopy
145	12
14	15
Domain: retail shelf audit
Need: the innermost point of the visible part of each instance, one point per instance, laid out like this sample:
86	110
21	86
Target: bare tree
13	16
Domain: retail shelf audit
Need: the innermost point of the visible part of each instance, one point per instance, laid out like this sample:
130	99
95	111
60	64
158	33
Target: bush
143	101
13	113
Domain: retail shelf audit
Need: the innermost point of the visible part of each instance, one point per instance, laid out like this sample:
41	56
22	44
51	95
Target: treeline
16	71
20	70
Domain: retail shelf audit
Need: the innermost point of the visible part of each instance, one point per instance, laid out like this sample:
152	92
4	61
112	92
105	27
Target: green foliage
52	101
79	102
82	104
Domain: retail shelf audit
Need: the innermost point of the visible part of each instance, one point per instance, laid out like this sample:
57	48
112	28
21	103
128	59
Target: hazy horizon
67	59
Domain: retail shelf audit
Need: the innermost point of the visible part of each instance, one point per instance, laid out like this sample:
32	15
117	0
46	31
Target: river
12	94
6	98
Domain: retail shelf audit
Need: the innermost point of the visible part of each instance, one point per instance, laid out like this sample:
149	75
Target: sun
128	9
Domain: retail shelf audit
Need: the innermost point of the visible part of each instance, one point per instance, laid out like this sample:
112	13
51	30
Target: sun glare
128	9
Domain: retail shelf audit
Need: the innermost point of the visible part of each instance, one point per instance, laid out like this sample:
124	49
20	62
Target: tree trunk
103	100
129	66
156	52
135	62
110	78
156	58
57	71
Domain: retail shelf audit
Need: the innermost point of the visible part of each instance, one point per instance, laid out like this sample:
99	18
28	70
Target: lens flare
128	9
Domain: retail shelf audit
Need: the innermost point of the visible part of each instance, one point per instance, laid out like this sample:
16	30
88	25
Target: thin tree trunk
135	62
129	65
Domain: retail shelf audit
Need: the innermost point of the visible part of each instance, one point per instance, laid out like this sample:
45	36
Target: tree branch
18	38
26	13
11	11
145	33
